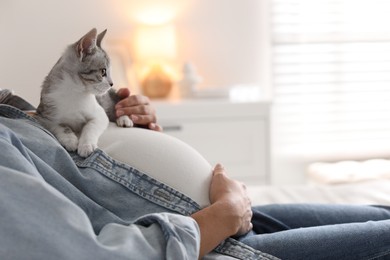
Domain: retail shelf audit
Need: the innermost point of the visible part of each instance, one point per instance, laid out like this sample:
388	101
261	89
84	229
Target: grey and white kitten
69	106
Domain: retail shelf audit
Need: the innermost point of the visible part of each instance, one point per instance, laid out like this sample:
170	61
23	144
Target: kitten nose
111	84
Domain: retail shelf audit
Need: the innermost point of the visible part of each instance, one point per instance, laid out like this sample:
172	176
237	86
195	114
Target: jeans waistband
139	183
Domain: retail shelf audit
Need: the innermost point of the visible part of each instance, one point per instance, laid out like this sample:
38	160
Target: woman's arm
138	108
229	213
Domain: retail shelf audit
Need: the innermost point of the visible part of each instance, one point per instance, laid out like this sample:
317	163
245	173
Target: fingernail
152	125
120	113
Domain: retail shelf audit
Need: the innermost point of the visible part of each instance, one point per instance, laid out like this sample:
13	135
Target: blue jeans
308	231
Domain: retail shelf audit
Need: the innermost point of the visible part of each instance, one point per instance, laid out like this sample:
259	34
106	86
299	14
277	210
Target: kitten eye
104	72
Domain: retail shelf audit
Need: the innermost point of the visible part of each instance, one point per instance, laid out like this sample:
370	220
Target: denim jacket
57	205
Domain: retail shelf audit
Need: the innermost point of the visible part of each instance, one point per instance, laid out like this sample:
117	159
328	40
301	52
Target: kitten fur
68	106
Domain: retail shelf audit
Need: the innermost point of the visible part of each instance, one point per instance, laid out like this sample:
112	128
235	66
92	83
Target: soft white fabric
162	157
349	171
365	192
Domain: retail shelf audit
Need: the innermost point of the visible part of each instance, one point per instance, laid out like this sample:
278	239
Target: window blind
331	76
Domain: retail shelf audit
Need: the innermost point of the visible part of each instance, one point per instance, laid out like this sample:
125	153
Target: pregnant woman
146	195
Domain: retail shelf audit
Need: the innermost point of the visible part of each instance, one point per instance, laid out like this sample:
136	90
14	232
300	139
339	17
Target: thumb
123	92
218	169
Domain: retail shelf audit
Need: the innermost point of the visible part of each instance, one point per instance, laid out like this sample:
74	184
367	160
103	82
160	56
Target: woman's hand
229	214
233	196
138	108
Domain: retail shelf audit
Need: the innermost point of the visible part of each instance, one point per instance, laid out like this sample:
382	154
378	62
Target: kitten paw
84	150
124	121
69	141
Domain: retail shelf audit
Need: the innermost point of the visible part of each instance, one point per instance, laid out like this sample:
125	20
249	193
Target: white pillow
163	157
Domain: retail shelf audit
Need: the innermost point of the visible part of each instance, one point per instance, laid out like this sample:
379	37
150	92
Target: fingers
138	108
138	118
141	115
155	127
130	101
248	216
246	224
123	92
138	105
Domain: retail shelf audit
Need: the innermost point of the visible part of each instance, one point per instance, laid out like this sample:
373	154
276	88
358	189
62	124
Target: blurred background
218	38
322	67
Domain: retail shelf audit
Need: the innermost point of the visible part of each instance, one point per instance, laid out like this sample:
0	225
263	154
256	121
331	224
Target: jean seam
380	255
229	247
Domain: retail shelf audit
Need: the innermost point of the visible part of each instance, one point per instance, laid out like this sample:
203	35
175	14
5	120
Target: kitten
68	107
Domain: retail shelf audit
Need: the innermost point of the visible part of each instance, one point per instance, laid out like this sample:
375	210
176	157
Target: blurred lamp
155	48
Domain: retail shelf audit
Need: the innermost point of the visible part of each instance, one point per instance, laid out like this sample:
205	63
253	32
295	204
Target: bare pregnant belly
163	157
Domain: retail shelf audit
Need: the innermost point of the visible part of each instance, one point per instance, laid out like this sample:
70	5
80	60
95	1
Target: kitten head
89	63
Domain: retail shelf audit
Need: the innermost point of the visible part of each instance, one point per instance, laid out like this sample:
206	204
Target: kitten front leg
66	137
90	135
84	150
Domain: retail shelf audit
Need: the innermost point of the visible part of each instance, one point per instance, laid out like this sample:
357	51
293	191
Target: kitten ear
100	38
86	44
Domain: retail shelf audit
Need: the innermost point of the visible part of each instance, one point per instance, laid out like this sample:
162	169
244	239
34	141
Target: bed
348	181
363	192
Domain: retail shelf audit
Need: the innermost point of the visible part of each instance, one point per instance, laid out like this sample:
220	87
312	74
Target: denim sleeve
39	222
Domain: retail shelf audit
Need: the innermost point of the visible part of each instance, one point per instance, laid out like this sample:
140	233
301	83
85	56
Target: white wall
34	34
223	38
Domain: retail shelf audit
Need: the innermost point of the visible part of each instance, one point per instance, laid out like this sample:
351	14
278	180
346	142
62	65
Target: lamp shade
155	43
